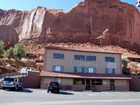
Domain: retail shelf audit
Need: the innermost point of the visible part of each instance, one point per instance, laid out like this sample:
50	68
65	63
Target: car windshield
25	68
54	83
8	79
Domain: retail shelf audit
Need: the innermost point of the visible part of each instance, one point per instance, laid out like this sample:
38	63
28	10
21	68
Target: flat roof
83	76
80	50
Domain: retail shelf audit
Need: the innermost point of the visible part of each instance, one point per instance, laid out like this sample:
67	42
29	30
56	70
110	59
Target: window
109	59
58	68
97	82
79	69
90	70
78	81
58	56
110	71
90	58
79	57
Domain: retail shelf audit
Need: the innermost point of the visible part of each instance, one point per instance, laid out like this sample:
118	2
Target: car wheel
20	88
3	88
57	91
16	88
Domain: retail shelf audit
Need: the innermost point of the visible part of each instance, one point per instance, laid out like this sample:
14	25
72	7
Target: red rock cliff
11	22
97	21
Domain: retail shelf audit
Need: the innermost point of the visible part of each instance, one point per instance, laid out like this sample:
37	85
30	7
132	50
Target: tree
1	48
133	66
9	53
125	68
18	50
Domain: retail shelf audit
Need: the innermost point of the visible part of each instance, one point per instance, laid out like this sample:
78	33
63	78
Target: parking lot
41	97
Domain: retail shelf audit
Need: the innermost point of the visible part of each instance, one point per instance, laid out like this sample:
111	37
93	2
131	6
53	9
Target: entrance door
88	84
112	85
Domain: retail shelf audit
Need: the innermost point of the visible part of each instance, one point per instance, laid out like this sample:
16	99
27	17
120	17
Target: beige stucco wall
46	80
67	81
69	63
122	85
63	81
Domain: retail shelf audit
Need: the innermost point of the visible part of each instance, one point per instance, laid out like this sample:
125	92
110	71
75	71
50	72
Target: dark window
54	84
8	79
79	57
79	69
109	59
90	58
97	82
58	56
78	81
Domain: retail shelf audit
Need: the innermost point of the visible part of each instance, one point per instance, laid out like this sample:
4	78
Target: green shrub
18	50
2	46
9	53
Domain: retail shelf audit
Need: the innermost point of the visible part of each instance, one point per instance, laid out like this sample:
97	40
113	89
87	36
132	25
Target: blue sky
31	4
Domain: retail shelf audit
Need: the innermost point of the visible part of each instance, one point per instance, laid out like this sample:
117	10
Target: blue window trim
84	57
109	59
79	57
54	66
106	70
76	71
58	56
90	58
87	69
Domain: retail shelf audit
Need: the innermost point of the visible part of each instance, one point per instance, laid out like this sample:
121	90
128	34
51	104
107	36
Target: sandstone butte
96	21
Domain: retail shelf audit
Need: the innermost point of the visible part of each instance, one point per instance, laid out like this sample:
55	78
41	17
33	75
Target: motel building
83	69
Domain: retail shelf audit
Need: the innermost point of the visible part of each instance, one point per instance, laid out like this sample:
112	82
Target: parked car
25	70
54	87
12	83
1	82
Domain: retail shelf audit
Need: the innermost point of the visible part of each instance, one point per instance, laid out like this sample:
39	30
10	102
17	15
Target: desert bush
18	51
1	48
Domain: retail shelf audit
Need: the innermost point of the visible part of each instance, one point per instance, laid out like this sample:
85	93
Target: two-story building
83	69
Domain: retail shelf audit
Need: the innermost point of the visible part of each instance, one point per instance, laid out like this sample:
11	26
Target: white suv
12	83
25	70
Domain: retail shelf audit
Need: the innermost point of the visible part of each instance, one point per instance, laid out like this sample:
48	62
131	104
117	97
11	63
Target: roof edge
79	50
82	76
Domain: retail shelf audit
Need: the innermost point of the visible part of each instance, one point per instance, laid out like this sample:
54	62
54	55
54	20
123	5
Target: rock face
8	34
96	21
10	25
34	24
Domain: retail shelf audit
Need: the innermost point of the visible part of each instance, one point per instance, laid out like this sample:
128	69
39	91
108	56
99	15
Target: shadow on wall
32	80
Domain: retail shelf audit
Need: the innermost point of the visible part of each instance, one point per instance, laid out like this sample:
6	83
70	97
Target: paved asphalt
41	97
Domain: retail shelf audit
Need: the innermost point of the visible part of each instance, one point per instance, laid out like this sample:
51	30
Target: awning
83	75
